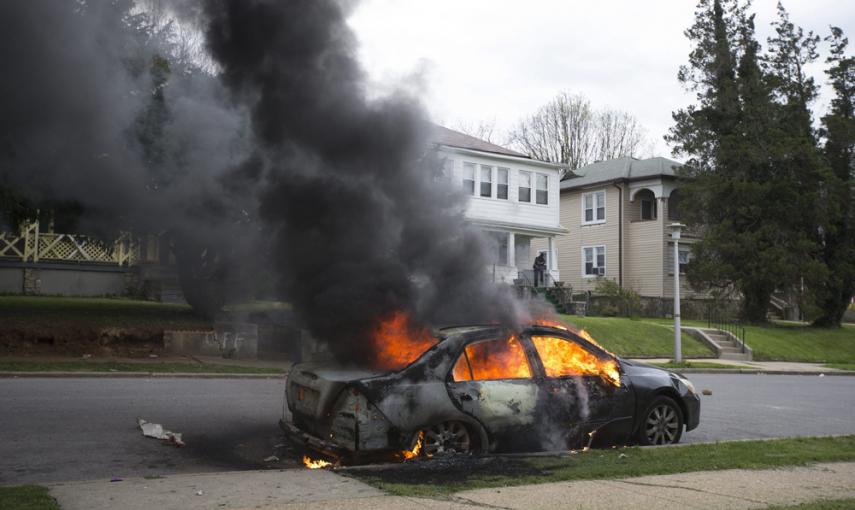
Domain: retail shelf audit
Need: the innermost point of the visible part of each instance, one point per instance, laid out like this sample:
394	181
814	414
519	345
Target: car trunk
313	391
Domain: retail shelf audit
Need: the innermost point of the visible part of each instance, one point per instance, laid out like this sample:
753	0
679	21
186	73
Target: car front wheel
662	424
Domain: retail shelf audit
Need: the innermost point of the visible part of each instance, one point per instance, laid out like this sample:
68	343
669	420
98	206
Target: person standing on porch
539	268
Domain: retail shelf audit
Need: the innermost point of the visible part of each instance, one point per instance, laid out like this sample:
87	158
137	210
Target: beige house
617	214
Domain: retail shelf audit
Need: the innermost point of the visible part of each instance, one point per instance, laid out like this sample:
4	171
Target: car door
586	393
492	381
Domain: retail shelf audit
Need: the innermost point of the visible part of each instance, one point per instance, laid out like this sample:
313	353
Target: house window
542	191
486	181
685	257
594	260
502	183
525	186
594	207
469	178
648	209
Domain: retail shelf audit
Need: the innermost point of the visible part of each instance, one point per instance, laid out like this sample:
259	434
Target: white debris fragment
198	493
272	458
822	375
157	431
86	356
622	456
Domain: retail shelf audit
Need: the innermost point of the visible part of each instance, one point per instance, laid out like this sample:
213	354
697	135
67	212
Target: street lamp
676	228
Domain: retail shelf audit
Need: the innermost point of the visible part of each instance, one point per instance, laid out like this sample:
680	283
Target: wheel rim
662	425
448	437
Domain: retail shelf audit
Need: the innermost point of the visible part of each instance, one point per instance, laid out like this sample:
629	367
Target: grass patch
438	477
26	311
637	338
795	342
825	504
696	364
148	367
27	497
841	366
789	341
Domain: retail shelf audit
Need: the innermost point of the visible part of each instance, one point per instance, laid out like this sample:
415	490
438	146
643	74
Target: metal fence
732	327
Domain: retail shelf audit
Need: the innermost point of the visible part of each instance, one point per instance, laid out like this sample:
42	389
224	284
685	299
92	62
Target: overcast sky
498	60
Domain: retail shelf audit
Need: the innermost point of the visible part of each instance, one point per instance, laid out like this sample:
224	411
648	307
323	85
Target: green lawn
826	504
26	497
637	338
47	311
147	367
789	341
841	366
794	342
697	364
443	478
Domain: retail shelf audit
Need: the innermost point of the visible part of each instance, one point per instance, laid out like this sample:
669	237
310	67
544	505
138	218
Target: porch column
512	249
552	265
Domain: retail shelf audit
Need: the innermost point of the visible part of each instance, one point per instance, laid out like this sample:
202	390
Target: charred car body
484	389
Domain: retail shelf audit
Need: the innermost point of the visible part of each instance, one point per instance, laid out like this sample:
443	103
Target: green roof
626	168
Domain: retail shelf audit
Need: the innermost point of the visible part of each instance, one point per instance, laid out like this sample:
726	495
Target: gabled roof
451	138
626	168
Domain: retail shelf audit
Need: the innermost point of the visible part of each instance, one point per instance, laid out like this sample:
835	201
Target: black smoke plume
276	168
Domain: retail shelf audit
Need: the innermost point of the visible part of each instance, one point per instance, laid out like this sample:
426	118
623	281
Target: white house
514	198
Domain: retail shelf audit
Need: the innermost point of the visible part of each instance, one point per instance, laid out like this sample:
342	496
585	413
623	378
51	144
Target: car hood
638	369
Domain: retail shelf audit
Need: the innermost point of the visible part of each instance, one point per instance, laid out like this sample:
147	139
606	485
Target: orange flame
562	358
503	359
398	342
583	332
315	464
417	448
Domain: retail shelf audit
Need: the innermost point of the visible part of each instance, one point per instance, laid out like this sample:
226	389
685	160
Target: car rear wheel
446	437
662	424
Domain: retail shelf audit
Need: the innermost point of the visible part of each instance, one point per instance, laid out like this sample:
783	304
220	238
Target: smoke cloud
280	165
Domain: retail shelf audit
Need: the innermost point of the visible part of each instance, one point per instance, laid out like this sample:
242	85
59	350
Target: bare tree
618	134
568	130
484	130
560	131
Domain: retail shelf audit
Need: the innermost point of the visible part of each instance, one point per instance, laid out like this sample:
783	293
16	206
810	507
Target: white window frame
530	186
594	249
481	181
467	165
536	189
595	220
507	183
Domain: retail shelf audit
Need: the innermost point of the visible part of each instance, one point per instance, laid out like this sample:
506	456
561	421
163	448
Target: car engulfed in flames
482	389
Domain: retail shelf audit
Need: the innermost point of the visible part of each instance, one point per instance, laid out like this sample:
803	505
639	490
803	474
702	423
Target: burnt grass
440	477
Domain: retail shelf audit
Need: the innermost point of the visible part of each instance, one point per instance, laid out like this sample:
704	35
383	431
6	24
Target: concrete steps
727	346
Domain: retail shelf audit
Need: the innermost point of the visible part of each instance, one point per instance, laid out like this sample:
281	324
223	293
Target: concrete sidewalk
753	367
325	490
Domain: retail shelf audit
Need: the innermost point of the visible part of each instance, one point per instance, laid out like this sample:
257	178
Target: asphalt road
83	429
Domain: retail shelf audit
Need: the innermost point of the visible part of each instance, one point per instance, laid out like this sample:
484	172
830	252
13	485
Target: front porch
514	253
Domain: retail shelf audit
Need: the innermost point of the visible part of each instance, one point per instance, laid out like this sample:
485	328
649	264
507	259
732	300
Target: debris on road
157	431
115	479
272	458
707	392
86	356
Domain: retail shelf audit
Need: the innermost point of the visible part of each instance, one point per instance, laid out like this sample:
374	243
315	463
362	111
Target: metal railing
731	327
528	276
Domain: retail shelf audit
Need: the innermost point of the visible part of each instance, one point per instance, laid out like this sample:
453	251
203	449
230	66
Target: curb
754	371
128	375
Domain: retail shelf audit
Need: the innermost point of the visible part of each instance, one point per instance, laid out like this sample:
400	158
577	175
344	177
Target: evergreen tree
838	232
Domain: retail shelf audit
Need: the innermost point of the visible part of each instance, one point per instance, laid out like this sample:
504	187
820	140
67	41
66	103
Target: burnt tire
661	423
448	437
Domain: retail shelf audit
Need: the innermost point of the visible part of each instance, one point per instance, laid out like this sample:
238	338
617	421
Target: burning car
481	389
